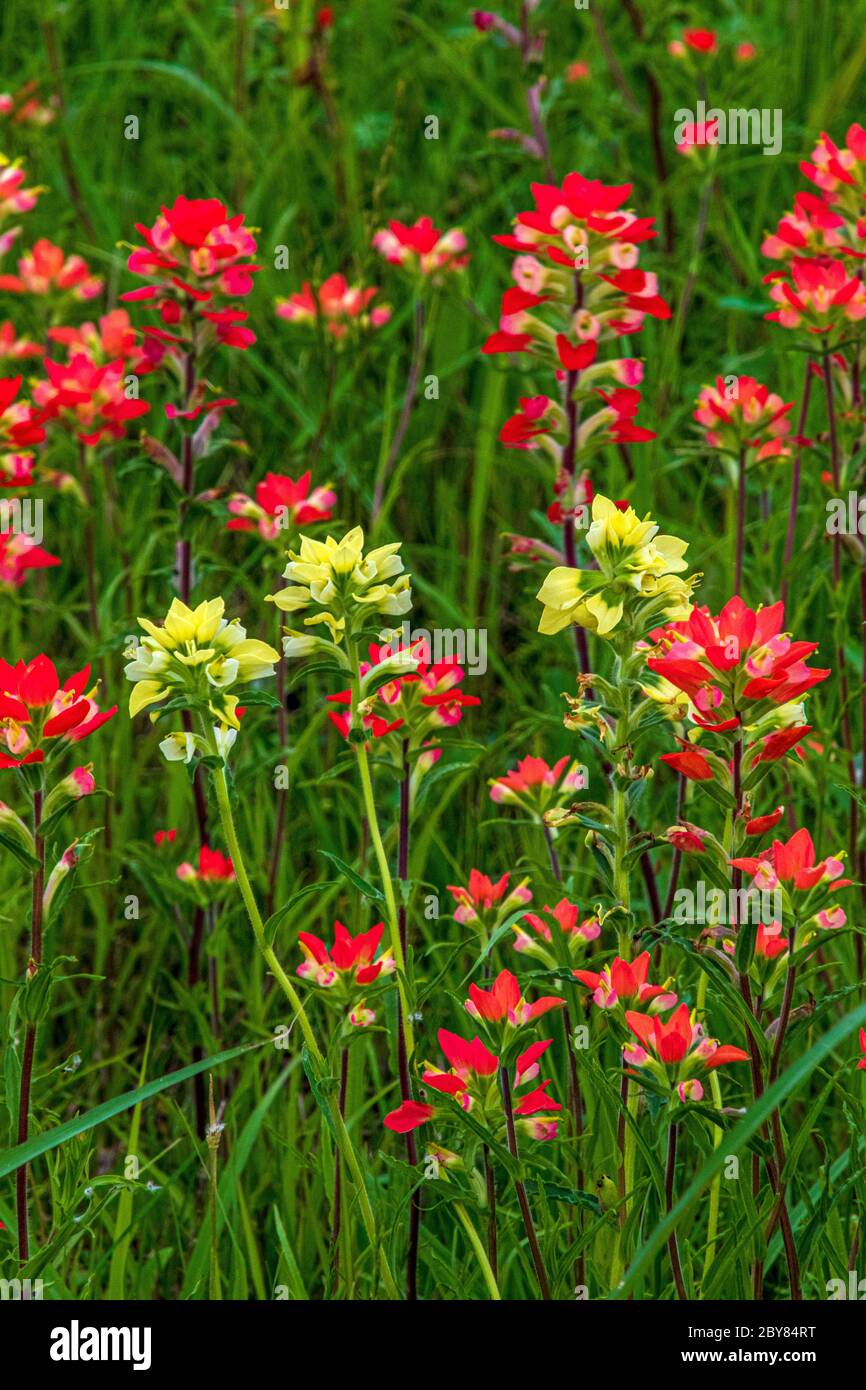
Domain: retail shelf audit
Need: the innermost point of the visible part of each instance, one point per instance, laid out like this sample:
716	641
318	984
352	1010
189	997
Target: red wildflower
213	867
422	248
623	982
817	294
280	503
197	255
350	960
701	40
337	303
18	555
754	417
46	269
35	708
707	657
791	861
759	825
87	398
691	763
536	784
504	1002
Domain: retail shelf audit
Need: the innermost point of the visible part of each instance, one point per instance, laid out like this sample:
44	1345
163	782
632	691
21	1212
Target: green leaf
363	885
318	1088
736	1139
30	862
80	1124
296	1283
297	897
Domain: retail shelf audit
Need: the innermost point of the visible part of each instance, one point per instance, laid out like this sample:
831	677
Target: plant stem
795	482
402	1057
344	1143
776	1122
717	1132
569	466
30	1034
283	735
213	1143
741	520
756	1065
388	889
520	1189
677	855
673	1247
475	1242
415	368
184	548
336	1216
89	539
490	1184
574	1094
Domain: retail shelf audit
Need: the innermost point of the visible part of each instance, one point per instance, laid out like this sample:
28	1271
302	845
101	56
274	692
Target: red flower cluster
280	504
46	269
815	289
18	555
471	1081
35	709
422	702
577	285
736	671
200	259
421	248
339	305
21	426
753	417
213	868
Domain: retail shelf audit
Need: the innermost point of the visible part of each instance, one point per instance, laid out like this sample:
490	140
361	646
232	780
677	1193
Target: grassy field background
221	114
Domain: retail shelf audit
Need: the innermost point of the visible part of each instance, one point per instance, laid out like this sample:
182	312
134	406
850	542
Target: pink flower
280	503
48	270
422	248
337	303
18	555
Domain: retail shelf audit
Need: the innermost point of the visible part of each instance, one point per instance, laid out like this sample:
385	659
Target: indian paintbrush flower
625	982
674	1054
343	588
198	657
637	577
35	710
471	1083
348	970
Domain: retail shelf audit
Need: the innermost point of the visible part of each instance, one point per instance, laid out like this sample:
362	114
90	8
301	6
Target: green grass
244	131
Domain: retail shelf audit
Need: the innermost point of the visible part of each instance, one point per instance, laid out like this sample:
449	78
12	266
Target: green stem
716	1186
384	871
480	1253
344	1143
